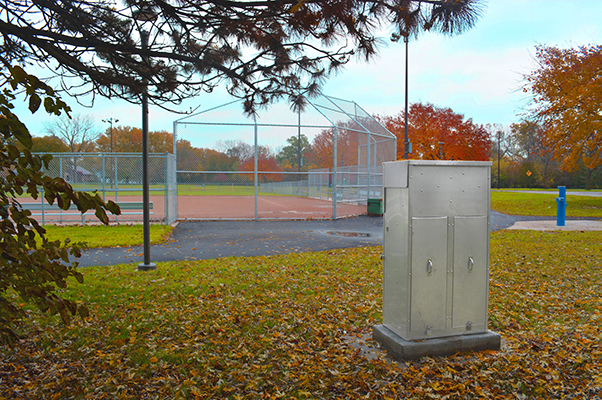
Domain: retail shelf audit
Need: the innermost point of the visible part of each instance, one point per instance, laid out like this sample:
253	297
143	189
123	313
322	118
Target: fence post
256	164
43	216
104	177
334	178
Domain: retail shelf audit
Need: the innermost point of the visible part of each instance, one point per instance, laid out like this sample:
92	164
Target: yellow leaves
567	95
260	328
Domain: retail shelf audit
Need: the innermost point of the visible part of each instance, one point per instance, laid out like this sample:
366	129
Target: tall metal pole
334	177
146	265
499	139
299	152
299	143
406	143
110	121
255	167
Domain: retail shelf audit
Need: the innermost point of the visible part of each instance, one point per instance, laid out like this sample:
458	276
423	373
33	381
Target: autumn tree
31	265
46	144
440	133
266	165
567	101
128	139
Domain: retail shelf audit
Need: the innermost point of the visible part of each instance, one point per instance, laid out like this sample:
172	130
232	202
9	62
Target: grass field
543	204
220	190
183	190
273	327
108	236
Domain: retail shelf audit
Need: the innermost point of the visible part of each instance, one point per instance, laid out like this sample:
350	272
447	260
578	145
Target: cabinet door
429	274
471	265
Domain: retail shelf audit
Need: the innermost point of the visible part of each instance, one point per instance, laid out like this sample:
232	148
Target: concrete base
147	267
401	349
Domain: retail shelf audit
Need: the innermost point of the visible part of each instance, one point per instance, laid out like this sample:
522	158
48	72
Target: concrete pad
572	225
401	349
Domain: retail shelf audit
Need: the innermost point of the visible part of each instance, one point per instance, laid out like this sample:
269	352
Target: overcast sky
478	74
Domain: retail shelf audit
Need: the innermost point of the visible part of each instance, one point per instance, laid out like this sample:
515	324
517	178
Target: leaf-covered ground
273	327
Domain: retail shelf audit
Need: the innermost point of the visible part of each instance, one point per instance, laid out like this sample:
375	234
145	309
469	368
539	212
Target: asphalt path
202	240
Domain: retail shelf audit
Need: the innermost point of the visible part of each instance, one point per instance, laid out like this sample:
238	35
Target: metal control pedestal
436	258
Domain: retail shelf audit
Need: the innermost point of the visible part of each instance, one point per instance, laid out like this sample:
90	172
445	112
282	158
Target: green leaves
33	271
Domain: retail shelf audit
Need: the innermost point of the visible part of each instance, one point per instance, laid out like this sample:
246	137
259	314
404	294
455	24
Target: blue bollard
561	206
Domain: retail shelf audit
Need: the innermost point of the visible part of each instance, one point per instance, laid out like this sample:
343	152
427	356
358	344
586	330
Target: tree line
521	153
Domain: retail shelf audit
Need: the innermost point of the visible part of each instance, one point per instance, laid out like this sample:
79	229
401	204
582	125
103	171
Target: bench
39	209
124	205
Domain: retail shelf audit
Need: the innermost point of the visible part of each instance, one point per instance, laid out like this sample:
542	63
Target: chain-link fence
322	162
114	176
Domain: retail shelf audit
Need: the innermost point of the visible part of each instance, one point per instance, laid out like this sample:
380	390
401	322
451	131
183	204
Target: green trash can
375	207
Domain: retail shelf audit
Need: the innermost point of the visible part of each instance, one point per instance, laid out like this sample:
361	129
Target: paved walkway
214	239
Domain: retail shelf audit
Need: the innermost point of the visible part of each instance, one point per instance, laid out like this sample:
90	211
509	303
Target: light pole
406	141
110	121
441	150
499	140
145	15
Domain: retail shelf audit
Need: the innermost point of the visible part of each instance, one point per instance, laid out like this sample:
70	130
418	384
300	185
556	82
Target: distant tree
321	150
529	138
78	132
160	142
567	97
293	152
440	133
126	139
49	144
236	149
46	144
266	162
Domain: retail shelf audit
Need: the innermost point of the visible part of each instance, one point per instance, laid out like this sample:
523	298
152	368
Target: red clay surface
268	207
219	207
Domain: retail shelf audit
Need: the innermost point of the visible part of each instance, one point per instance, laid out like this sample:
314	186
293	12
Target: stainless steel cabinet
436	248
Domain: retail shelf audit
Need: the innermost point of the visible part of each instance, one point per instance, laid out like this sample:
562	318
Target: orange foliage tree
266	162
127	139
439	133
321	151
567	90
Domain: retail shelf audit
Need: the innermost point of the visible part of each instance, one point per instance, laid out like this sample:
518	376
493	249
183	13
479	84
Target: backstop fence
114	176
324	161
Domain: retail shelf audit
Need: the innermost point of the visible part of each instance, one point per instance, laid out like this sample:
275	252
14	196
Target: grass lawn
272	327
543	204
220	190
183	190
108	236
